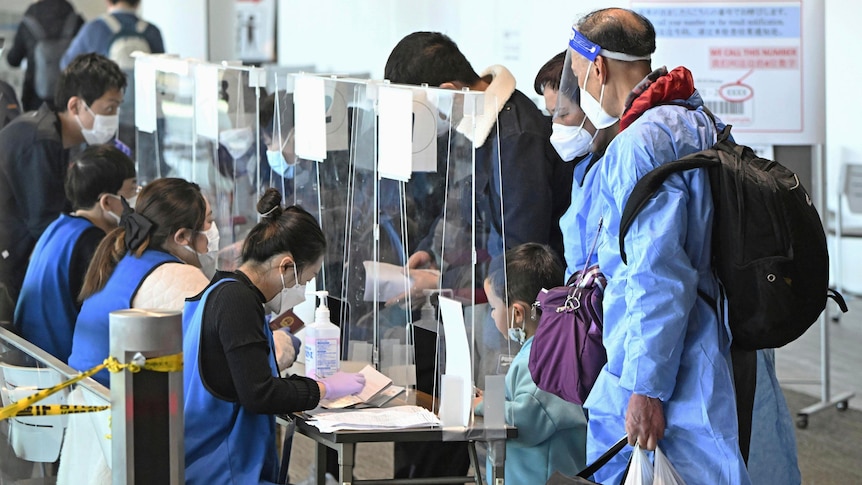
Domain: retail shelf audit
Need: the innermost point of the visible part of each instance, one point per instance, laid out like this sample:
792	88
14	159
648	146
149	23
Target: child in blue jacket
551	431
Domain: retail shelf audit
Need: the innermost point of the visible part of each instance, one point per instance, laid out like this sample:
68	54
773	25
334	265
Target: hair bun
269	205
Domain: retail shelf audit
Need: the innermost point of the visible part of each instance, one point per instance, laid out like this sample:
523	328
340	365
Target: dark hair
88	76
291	229
99	169
170	204
428	57
132	3
529	268
549	75
619	30
267	112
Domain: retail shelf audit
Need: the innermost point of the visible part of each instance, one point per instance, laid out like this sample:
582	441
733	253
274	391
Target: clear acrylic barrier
225	139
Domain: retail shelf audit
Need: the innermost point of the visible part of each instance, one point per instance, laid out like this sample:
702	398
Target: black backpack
48	52
768	244
9	107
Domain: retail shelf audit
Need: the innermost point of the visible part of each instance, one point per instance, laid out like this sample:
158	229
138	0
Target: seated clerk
231	383
149	261
48	306
552	432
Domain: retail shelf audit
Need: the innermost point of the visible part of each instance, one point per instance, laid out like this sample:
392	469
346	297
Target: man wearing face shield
668	380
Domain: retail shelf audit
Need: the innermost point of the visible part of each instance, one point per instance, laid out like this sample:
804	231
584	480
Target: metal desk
344	443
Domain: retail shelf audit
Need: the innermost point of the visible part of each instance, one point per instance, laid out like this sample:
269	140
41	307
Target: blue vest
46	310
224	442
91	342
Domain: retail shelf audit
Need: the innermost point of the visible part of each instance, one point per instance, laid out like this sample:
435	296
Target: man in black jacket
515	168
34	155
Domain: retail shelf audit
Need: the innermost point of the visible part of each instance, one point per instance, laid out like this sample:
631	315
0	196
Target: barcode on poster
725	107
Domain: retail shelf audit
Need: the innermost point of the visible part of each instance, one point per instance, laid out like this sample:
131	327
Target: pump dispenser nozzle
321	314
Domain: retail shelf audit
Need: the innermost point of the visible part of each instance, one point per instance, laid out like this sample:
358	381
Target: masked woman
231	381
149	261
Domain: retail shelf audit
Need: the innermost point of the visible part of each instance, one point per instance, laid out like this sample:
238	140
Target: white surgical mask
593	109
516	334
570	142
132	201
104	127
288	297
113	216
237	141
209	259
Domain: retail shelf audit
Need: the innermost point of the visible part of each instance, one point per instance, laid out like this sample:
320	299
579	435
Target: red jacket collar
659	87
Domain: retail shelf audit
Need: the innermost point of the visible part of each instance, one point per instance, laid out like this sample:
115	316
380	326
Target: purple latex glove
343	384
122	147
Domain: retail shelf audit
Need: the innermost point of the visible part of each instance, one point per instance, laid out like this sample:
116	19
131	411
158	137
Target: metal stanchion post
147	406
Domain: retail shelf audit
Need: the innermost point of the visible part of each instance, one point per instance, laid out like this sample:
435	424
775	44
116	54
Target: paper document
375	383
398	417
389	278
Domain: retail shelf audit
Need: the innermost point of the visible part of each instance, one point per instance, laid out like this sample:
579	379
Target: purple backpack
567	352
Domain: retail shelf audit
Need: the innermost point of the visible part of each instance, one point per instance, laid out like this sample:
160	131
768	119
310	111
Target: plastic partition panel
441	221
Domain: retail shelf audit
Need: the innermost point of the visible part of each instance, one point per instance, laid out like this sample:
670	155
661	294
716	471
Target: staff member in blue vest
48	305
150	261
230	380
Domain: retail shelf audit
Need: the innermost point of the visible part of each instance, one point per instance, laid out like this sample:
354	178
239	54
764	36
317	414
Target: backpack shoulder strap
112	23
141	26
35	27
70	25
648	185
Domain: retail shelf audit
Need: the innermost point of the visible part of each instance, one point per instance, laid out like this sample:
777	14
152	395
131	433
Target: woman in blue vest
230	380
149	261
48	304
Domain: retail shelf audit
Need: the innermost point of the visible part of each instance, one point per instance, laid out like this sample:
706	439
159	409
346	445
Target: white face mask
592	108
570	142
132	201
104	127
237	141
209	259
113	216
288	297
516	334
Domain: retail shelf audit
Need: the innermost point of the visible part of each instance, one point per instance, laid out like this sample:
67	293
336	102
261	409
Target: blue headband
590	50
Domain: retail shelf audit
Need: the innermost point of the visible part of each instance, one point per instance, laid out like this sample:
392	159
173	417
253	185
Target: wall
183	24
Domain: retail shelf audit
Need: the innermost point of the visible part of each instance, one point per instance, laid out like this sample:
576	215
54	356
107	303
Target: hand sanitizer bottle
322	343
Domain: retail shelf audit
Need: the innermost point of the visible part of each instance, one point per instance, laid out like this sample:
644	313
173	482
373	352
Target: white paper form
458	363
398	417
375	382
145	95
309	104
395	108
206	101
389	278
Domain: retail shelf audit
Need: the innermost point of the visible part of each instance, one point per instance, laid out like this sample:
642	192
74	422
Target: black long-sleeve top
235	353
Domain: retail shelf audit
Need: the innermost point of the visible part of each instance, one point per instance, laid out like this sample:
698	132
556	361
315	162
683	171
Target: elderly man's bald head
619	30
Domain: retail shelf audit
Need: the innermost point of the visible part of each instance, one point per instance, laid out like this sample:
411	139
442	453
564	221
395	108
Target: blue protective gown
551	430
662	340
772	458
580	223
46	310
91	340
224	442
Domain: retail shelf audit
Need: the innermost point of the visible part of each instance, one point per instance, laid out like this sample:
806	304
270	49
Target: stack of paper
398	417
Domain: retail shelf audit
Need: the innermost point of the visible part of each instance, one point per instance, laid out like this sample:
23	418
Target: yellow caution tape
59	409
168	363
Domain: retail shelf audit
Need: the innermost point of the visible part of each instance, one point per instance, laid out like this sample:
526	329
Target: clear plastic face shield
589	51
571	135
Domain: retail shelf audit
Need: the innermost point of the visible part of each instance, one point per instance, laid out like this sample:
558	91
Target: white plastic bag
640	469
665	473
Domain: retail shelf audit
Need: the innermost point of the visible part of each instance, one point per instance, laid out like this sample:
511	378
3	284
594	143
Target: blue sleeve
661	281
88	39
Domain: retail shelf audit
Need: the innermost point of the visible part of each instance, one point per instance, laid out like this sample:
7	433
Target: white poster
747	59
425	118
395	108
255	30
